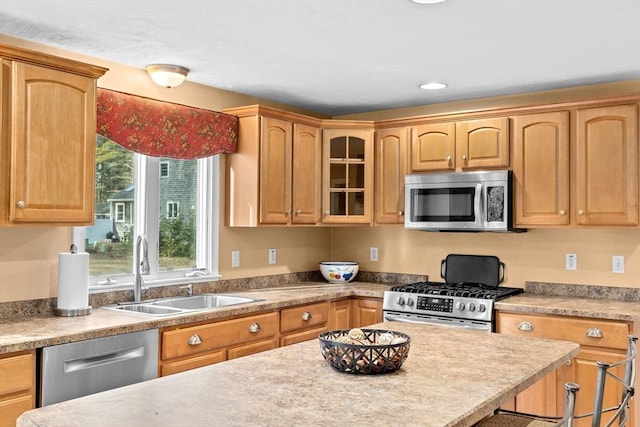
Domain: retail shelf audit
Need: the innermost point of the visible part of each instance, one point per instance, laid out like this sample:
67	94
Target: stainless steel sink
204	301
180	305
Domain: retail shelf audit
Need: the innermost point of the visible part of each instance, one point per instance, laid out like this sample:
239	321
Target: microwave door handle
478	204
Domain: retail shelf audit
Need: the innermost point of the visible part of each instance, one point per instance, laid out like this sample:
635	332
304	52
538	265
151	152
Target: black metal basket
364	356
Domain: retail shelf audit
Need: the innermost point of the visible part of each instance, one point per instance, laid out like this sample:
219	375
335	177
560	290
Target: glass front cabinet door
347	176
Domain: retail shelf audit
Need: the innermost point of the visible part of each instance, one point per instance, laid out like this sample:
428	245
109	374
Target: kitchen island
452	377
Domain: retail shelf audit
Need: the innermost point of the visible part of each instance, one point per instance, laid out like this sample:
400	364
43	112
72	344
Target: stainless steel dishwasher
85	367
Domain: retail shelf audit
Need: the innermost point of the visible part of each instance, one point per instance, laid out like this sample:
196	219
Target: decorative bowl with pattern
339	271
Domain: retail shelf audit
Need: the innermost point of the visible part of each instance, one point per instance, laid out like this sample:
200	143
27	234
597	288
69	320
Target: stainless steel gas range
466	298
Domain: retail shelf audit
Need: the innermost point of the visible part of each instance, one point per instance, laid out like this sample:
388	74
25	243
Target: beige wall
28	255
537	255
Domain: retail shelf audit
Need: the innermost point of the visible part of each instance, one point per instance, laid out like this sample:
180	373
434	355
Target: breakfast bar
452	377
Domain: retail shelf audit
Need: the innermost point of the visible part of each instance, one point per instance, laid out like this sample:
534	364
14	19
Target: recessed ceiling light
427	1
433	86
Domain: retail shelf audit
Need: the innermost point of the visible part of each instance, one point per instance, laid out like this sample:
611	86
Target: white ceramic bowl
339	271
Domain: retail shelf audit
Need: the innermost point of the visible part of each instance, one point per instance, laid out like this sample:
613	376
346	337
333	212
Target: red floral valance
163	129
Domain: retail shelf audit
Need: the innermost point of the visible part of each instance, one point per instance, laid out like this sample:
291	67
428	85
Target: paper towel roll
73	280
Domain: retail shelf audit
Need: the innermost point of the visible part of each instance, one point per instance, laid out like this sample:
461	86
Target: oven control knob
410	302
460	305
400	301
482	308
472	307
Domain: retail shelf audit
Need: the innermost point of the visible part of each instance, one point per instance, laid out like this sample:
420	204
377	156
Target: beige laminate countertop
447	380
28	333
572	306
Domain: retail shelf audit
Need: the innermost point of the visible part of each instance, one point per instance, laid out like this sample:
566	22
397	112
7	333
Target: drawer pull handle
255	328
526	326
595	333
306	316
195	339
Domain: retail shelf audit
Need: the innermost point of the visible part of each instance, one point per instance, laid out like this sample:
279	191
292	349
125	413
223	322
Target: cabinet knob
448	159
21	204
255	328
595	333
526	326
563	212
287	212
580	212
306	316
400	213
195	339
297	212
326	213
464	157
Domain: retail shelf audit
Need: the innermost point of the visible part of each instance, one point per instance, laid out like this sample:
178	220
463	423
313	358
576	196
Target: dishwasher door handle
103	359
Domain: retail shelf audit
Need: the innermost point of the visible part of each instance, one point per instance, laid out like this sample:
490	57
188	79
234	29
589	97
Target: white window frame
207	236
164	162
120	212
173	210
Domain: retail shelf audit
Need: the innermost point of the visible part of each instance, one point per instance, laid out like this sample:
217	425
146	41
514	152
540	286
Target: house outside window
164	169
172	210
119	208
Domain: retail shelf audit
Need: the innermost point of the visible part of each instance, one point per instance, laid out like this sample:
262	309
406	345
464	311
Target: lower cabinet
366	311
303	322
192	346
600	340
340	314
17	387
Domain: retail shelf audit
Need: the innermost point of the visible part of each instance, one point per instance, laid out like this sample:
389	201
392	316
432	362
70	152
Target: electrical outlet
617	264
571	261
373	252
235	259
272	256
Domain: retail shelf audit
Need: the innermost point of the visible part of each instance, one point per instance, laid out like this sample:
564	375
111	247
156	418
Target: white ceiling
342	56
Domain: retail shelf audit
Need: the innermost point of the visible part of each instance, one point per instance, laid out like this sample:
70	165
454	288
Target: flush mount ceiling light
433	86
427	1
167	75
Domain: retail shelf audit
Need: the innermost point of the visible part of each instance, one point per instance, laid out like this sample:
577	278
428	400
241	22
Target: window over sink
178	213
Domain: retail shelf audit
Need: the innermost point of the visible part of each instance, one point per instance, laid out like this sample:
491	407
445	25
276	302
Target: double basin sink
180	305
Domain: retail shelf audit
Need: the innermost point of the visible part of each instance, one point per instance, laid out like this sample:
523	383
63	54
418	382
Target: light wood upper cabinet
466	145
433	147
392	158
275	177
482	143
541	169
347	175
48	140
607	165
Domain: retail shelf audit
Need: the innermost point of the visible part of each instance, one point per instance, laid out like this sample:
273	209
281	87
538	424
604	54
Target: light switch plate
235	259
373	252
571	262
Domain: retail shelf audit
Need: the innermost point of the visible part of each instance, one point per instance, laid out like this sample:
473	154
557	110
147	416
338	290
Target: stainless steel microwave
459	201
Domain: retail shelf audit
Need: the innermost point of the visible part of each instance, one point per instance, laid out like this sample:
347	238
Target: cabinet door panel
391	167
306	179
482	143
433	147
607	166
53	146
275	171
366	312
541	169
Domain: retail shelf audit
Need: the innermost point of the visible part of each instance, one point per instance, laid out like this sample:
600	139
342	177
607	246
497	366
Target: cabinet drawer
176	343
254	347
192	363
17	372
301	336
303	317
11	409
609	333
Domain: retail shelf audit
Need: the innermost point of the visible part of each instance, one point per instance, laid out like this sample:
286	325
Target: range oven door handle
424	321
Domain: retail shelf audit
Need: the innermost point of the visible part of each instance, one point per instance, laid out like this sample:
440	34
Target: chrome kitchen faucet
142	266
